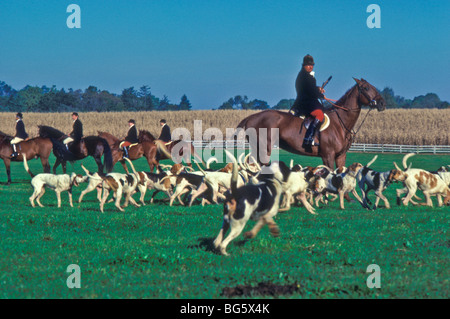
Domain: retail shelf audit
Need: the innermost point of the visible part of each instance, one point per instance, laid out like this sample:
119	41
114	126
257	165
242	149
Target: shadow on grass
207	244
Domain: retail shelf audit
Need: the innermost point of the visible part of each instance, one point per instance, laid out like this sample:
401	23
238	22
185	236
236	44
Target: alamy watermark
263	143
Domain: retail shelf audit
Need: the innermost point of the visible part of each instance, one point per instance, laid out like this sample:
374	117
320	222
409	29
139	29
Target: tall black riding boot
14	154
309	136
125	152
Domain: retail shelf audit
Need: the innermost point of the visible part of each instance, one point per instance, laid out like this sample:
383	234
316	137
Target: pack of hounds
249	191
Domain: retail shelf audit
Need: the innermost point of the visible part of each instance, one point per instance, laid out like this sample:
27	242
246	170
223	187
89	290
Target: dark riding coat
20	130
165	134
77	131
132	135
307	94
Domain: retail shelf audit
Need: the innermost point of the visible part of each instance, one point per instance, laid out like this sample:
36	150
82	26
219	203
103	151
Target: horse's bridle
363	91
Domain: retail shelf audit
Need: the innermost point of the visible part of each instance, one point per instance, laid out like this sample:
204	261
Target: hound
377	181
296	185
121	184
259	202
94	182
157	182
413	178
60	183
340	184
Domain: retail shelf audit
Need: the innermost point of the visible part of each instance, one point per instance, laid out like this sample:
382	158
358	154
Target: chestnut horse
334	141
88	146
152	149
37	147
148	149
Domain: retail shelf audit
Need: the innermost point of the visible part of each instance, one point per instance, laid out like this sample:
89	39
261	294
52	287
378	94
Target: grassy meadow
392	126
157	251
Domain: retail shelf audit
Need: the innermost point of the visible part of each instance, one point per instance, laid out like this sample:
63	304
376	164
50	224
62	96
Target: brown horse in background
152	149
145	148
37	147
334	141
88	146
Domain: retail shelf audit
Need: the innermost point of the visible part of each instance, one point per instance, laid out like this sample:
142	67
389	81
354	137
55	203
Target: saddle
308	119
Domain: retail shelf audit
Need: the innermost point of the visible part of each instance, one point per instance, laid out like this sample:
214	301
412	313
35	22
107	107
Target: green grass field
159	251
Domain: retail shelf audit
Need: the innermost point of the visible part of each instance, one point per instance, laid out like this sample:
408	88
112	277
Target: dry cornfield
395	126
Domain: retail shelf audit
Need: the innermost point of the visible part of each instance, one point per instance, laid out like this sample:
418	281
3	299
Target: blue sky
213	50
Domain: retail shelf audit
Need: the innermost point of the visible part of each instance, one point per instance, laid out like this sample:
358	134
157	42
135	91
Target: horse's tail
243	124
61	152
108	160
162	149
25	164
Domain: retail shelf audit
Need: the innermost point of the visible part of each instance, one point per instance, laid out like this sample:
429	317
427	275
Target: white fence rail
356	147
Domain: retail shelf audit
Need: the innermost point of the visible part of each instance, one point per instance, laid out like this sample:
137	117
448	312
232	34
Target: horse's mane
4	135
50	132
145	136
346	95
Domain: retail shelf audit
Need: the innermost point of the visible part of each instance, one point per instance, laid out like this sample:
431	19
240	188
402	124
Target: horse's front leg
328	160
7	162
340	160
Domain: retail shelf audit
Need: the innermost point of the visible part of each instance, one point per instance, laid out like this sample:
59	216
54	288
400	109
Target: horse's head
369	95
145	136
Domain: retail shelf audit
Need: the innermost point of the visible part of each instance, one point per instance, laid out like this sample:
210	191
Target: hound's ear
396	166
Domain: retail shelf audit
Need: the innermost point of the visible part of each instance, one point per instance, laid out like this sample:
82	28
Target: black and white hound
260	202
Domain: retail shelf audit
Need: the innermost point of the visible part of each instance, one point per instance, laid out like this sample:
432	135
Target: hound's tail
373	160
131	164
234	176
405	159
25	164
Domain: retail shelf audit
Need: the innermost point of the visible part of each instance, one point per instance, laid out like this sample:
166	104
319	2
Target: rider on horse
77	131
131	138
21	134
165	135
307	101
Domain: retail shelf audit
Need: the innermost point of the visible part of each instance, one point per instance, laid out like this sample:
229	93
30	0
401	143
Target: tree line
92	99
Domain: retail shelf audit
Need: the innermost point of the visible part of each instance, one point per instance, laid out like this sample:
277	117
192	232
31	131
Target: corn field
399	126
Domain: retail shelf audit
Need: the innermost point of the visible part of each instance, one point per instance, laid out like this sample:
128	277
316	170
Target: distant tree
145	98
389	97
228	105
185	104
164	104
284	104
238	103
258	105
428	101
130	99
28	98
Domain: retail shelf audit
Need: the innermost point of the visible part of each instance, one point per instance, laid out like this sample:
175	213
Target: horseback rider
165	135
307	101
21	134
131	138
77	131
